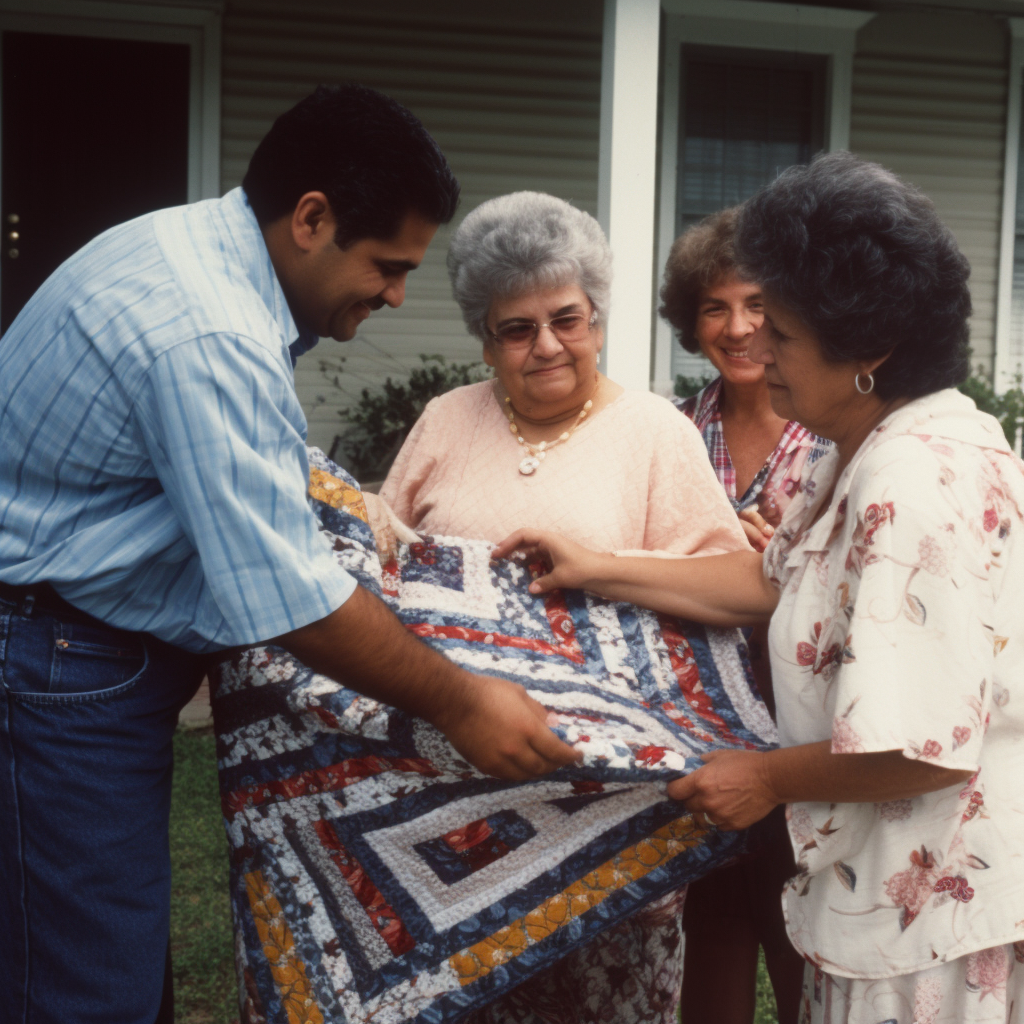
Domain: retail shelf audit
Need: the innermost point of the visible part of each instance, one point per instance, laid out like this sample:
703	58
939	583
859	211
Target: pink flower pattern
984	987
886	638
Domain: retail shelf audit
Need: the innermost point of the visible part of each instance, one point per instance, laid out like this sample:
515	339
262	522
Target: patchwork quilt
375	875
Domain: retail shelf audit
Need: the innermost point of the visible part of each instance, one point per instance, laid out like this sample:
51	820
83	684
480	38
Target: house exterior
647	113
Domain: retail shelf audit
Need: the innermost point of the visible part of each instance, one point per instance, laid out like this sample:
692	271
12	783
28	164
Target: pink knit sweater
634	477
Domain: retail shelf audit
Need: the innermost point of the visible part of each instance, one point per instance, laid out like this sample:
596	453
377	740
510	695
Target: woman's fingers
728	791
758	531
380	523
520	540
544	584
755	538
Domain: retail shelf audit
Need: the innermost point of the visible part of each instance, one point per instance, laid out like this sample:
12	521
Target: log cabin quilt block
375	875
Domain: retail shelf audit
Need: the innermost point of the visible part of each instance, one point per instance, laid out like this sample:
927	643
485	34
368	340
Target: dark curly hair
700	257
368	154
863	259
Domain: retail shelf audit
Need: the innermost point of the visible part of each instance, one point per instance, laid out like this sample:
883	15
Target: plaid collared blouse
776	482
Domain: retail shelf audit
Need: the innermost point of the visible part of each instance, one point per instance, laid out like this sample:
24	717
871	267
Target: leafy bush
1008	407
381	419
686	386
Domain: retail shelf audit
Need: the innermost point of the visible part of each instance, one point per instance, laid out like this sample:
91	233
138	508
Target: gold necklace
537	453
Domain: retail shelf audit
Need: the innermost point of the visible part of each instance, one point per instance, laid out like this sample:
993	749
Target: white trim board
626	182
198	26
746	24
1002	370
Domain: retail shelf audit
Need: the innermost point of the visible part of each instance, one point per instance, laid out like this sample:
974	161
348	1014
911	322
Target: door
95	132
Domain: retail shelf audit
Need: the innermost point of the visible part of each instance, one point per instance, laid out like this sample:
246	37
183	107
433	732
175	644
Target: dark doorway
95	132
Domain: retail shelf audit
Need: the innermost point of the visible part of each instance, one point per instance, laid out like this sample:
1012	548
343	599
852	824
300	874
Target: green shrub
378	423
686	386
1008	407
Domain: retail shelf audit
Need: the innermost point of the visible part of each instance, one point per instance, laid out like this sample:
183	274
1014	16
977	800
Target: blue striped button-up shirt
154	464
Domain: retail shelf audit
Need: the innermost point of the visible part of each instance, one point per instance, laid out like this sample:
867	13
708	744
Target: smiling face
728	314
549	377
331	290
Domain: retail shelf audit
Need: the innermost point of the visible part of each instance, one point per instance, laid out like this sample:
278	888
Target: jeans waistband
41	598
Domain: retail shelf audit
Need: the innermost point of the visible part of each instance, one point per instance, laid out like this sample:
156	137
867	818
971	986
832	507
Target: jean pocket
52	662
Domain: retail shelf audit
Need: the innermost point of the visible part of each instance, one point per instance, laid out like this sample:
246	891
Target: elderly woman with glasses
894	586
551	442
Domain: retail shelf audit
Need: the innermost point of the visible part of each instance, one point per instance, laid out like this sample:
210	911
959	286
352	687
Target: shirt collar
946	414
260	271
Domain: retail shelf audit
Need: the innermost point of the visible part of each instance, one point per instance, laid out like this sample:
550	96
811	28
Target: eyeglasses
567	329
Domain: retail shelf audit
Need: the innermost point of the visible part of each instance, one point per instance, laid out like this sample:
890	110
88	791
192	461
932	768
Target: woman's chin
782	403
553	389
741	375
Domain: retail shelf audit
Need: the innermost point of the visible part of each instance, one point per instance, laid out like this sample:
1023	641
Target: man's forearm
363	645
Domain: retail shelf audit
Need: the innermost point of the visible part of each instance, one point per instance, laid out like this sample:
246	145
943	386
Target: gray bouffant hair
701	256
864	260
524	242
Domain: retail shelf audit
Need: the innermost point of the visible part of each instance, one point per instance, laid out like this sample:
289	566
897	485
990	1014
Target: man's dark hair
864	260
371	157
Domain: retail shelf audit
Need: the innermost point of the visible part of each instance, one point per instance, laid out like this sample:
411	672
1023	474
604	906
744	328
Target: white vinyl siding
512	95
929	102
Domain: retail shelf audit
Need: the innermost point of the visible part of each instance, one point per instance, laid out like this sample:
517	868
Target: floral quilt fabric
899	628
376	876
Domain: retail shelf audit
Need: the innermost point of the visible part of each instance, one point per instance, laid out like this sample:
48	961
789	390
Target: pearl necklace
537	453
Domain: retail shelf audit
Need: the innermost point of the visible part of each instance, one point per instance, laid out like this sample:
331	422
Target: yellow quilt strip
632	863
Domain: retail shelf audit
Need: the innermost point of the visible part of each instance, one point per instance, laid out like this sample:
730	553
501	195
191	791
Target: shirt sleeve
411	469
225	432
910	639
687	510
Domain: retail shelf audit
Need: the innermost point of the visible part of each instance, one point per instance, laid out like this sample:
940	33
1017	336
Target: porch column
626	182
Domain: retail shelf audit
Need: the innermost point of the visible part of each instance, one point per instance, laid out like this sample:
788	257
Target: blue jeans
87	714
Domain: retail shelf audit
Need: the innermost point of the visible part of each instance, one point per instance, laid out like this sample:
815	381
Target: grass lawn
201	944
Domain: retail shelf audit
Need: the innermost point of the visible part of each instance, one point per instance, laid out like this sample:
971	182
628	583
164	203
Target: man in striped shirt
153	510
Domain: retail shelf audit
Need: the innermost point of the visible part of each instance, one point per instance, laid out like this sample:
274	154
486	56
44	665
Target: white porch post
1006	346
626	198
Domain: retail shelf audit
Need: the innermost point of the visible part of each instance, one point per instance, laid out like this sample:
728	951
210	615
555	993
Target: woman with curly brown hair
758	457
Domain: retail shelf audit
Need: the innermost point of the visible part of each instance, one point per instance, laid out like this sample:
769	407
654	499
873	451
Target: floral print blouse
900	626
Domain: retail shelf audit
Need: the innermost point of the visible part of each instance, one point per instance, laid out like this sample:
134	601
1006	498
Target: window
745	115
747	89
1008	359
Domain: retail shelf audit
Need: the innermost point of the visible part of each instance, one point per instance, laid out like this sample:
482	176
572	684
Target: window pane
745	116
1016	339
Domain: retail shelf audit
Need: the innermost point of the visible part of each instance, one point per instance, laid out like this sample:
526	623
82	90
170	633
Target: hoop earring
868	389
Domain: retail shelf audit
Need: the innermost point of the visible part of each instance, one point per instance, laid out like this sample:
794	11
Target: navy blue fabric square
435	564
465	850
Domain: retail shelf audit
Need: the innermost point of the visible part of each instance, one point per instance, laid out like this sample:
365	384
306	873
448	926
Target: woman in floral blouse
758	457
894	585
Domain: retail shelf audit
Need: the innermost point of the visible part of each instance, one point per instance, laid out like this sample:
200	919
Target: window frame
198	26
1003	364
742	24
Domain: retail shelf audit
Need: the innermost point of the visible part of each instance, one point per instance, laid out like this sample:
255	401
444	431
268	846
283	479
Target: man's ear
313	224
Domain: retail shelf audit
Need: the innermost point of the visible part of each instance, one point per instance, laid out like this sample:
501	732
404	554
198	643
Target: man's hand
731	791
500	729
572	565
491	722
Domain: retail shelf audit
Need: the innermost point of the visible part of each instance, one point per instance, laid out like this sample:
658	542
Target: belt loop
28	604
